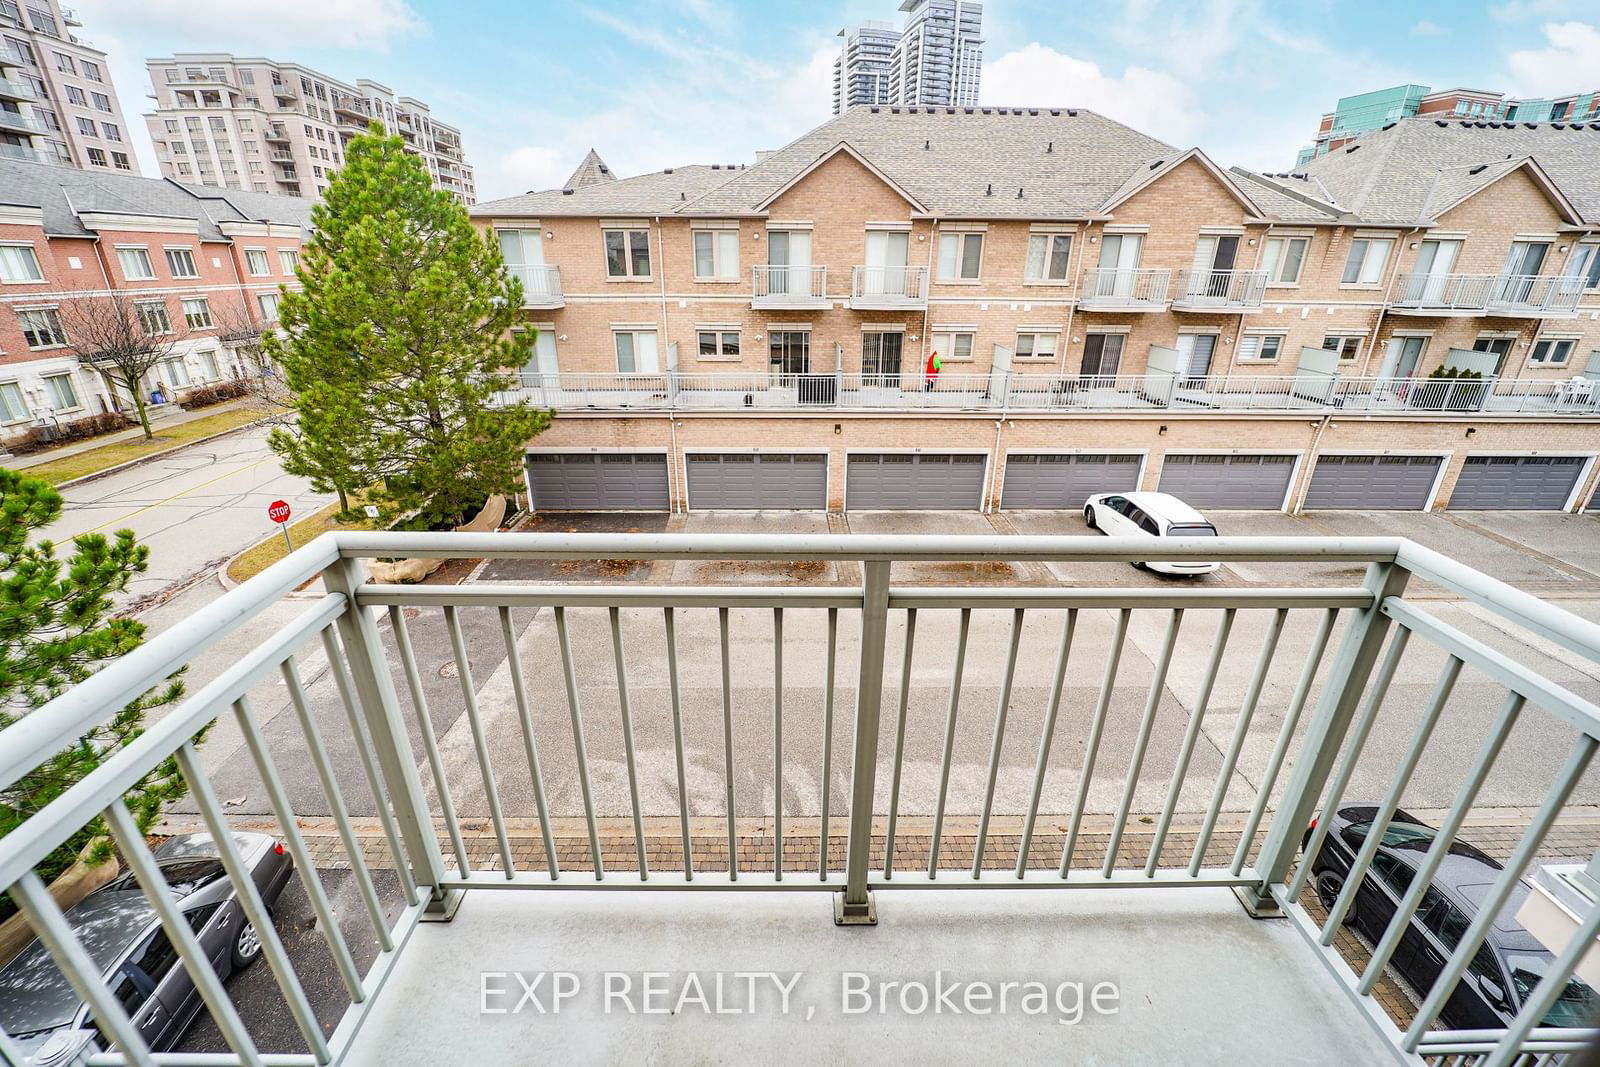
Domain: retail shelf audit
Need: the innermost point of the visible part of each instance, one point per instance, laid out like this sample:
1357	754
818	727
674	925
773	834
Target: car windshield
1192	529
1577	1003
1398	835
184	876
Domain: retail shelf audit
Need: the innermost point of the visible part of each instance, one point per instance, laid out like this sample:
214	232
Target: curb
83	478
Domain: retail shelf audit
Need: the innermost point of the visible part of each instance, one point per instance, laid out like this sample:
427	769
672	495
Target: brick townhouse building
198	264
1109	312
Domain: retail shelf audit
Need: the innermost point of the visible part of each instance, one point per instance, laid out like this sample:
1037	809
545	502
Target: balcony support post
1341	695
855	906
380	707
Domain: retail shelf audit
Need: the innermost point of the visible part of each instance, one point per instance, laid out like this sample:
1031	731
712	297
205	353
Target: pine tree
56	629
399	348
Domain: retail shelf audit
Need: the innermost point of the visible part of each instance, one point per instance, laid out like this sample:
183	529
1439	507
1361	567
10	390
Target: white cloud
1515	10
1428	28
1567	66
1149	100
253	25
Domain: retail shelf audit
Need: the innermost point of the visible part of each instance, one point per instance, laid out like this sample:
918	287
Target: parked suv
118	928
1509	964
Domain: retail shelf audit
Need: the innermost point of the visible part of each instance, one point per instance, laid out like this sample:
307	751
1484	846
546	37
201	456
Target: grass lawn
98	459
253	561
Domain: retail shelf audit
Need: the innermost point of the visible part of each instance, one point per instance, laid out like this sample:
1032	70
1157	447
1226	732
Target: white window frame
262	300
53	323
944	342
1033	354
140	253
1272	270
289	260
1260	339
32	257
634	332
250	255
719	339
51	386
1044	277
1367	245
209	363
721	239
1554	342
145	309
181	251
11	395
1345	336
628	253
959	239
204	312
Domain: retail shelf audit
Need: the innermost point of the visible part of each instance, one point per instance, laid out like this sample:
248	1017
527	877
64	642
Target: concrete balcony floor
1199	982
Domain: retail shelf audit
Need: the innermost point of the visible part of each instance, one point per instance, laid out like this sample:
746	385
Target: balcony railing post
380	708
1341	694
855	907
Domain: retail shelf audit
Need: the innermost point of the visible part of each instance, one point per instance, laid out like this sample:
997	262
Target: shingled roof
592	171
61	193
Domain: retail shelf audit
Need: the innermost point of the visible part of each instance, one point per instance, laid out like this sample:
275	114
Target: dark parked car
1509	964
121	933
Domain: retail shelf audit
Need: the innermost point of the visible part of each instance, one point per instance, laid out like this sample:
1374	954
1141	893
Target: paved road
194	508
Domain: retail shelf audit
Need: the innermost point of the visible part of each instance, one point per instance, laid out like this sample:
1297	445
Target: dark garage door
1045	481
895	482
1246	483
1386	483
1516	483
750	481
589	481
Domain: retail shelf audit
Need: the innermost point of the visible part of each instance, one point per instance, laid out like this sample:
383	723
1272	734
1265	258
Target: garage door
1248	483
1391	483
1521	483
892	482
1043	481
758	481
598	482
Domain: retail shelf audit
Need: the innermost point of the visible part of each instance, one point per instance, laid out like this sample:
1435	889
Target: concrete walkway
177	417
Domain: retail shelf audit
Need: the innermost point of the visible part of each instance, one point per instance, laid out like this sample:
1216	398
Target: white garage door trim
1585	468
1441	464
978	496
663	454
690	453
1297	458
1142	457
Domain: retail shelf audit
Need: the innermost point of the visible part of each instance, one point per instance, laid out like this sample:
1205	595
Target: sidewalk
178	418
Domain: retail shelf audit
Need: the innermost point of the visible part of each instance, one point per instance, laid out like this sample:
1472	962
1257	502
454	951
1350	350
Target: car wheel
1138	565
246	946
1329	886
1088	517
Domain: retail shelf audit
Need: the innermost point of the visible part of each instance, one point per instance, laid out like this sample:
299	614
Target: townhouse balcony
506	801
541	285
888	288
1125	290
789	287
1535	296
15	89
909	389
1219	290
1510	295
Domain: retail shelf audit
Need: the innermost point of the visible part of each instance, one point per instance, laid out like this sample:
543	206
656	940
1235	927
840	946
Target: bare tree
114	336
240	333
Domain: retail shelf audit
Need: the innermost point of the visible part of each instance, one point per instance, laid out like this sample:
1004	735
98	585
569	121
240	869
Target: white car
1153	514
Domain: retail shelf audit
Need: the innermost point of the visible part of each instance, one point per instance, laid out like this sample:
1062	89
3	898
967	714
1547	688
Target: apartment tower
936	60
252	123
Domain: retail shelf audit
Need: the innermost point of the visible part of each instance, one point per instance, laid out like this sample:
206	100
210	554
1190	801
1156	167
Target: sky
534	85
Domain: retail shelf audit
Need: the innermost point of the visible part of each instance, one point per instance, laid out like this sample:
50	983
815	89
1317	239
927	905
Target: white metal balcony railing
1494	294
1520	294
1080	765
1126	290
784	286
910	388
1220	290
886	288
541	285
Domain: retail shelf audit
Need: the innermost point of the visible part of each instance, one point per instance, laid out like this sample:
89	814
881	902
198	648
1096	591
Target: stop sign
278	511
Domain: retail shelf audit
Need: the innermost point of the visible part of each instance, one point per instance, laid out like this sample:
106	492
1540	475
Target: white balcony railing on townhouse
1535	295
888	288
367	717
1444	294
911	389
1125	290
541	285
782	286
1219	290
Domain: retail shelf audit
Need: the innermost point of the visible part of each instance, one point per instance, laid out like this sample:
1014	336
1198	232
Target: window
102	102
627	253
97	157
87	127
111	130
1585	264
176	372
880	357
63	397
1364	265
1552	351
289	260
1048	256
180	261
91	70
636	352
953	347
135	263
153	317
255	261
197	313
65	64
960	256
789	353
719	344
208	360
1102	355
1260	347
120	161
716	255
1348	345
18	263
1284	256
1036	345
13	408
41	328
269	306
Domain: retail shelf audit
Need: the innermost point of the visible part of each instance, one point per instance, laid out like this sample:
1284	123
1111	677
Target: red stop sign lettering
278	511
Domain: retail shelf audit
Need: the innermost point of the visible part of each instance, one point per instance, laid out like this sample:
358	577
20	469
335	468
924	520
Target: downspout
927	305
1238	334
663	346
1388	291
993	481
1072	303
1311	464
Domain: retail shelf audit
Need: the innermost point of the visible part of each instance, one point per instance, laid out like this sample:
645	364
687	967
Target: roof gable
1488	175
592	171
842	148
1157	169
